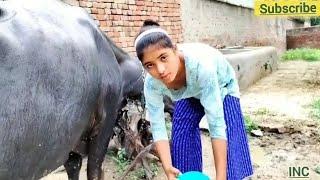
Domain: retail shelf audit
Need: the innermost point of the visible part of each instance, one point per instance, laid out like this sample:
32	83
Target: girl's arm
163	149
219	147
155	113
211	100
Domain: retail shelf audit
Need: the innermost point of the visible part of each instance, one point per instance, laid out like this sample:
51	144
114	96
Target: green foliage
317	169
262	111
250	125
121	160
307	54
316	109
315	21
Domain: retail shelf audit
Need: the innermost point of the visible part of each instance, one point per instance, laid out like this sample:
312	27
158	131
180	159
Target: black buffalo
62	82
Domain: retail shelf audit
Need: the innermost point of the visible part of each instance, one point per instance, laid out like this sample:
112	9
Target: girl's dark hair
158	38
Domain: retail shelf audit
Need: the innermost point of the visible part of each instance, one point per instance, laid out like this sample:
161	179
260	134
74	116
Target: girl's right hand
172	173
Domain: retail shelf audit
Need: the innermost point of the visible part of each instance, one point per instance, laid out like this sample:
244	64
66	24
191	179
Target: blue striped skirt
186	142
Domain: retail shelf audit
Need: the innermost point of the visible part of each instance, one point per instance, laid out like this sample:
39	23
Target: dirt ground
280	101
283	100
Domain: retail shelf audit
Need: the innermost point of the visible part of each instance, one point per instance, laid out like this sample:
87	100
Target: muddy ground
280	105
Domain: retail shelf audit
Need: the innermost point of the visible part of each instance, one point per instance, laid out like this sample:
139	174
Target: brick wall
303	37
121	19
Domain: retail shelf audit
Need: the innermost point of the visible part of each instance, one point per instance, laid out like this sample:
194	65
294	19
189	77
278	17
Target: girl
201	81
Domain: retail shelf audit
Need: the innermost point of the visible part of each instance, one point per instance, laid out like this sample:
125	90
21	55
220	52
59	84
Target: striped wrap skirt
186	149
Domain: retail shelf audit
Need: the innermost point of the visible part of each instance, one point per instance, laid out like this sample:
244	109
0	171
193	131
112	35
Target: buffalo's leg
98	144
73	165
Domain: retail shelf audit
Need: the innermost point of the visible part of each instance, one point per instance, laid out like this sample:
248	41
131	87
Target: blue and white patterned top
209	77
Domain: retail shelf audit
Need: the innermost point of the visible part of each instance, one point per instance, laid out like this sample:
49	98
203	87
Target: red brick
107	11
104	29
125	6
149	4
95	4
116	11
119	28
106	0
101	11
137	23
120	23
136	29
117	17
124	18
101	17
123	34
132	7
110	34
136	18
133	33
109	23
156	4
141	8
126	23
113	11
124	12
103	23
130	12
108	5
113	6
155	9
116	34
122	39
139	3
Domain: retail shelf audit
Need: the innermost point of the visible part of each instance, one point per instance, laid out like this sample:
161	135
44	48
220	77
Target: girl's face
162	63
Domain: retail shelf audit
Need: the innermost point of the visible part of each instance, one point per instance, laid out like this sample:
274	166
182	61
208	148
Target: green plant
262	111
250	125
121	160
317	169
315	21
154	168
307	54
140	173
316	109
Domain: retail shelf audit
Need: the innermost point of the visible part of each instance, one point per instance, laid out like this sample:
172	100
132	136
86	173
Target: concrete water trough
251	63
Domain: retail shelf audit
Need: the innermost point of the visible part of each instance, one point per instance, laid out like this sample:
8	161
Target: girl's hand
172	173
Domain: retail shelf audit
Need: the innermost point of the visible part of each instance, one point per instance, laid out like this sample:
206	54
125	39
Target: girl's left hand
172	173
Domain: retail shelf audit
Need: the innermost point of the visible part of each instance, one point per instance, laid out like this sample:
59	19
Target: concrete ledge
251	63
